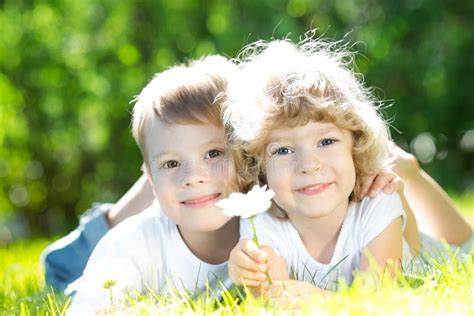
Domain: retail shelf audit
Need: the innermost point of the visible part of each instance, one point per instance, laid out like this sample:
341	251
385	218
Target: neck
213	246
319	235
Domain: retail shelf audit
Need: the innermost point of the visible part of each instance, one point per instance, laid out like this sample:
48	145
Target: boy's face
191	170
310	169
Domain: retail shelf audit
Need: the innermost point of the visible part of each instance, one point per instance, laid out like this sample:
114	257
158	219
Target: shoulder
134	234
382	199
140	224
371	216
381	205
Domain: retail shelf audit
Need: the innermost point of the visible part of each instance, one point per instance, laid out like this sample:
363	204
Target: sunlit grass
22	288
444	289
465	202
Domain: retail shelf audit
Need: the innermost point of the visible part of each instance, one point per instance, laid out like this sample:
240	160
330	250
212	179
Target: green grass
22	288
466	203
446	289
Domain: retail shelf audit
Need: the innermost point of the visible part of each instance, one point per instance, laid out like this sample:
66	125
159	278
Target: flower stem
111	297
254	230
255	240
108	285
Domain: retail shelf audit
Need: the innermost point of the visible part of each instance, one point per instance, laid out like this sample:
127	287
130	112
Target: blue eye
282	151
170	164
327	141
214	153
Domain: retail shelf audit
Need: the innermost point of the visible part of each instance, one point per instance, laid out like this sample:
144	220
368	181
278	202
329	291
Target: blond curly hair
284	84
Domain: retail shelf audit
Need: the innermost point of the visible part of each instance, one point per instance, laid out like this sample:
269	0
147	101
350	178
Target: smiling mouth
202	200
313	188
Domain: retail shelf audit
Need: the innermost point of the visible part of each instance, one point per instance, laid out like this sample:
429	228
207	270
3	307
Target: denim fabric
65	259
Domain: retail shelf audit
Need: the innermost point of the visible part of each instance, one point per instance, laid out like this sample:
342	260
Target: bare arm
411	233
138	197
435	212
385	251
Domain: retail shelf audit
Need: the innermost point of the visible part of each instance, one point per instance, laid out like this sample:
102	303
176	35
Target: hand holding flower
249	263
251	266
257	200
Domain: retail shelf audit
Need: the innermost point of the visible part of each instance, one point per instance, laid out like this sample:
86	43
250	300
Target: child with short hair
314	132
184	243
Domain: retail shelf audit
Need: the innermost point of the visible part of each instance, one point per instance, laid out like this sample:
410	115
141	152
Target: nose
308	163
193	173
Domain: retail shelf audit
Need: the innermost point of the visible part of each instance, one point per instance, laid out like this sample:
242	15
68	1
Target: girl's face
310	169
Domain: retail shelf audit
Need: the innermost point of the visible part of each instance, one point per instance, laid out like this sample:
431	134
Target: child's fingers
389	188
251	249
248	275
382	181
248	247
269	252
376	186
364	189
245	277
396	185
249	283
243	260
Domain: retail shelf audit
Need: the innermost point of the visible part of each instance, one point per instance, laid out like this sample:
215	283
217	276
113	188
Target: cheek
222	170
350	164
163	188
278	176
348	170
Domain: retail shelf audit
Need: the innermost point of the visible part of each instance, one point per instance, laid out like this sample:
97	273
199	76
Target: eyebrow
160	154
320	131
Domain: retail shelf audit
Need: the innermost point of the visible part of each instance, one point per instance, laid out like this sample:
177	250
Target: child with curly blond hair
312	132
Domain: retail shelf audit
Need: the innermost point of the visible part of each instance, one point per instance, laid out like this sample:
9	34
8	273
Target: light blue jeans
65	259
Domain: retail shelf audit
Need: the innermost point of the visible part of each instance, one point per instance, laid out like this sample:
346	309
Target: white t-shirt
363	222
145	252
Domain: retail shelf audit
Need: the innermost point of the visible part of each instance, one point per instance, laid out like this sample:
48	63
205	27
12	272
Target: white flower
256	201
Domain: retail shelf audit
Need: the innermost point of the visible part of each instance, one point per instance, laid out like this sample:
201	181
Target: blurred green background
69	70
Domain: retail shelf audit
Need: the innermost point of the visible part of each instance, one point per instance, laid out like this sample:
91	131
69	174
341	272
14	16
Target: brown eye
170	164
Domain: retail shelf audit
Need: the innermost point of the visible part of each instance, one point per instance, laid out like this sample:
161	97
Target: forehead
310	129
166	138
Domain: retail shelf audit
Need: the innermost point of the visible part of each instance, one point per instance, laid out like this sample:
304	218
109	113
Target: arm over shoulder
382	221
374	215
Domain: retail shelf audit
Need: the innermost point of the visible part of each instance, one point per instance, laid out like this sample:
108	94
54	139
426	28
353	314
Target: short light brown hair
283	84
184	94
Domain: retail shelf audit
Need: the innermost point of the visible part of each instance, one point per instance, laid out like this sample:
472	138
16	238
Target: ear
147	174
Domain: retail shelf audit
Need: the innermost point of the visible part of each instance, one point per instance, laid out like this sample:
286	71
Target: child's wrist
415	176
408	170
